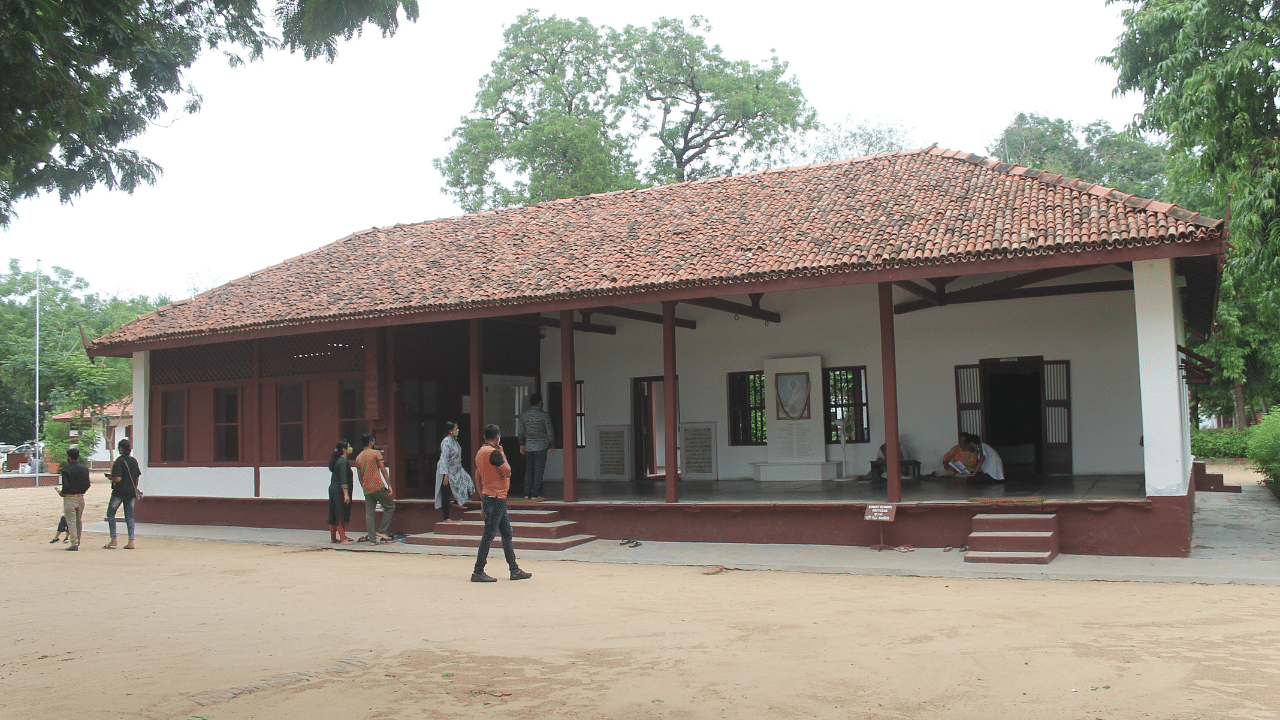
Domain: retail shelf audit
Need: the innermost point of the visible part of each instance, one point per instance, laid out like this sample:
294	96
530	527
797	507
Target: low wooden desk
912	467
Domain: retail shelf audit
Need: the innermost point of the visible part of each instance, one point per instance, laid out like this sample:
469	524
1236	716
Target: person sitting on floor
877	473
962	453
991	467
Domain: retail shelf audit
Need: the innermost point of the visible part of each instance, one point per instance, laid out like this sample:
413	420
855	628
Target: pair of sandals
56	540
631	543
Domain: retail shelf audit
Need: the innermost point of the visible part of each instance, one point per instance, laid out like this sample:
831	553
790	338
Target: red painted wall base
1155	527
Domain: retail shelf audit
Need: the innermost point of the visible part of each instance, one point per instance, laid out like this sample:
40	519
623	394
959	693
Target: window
226	424
173	425
845	390
290	419
746	408
555	407
351	424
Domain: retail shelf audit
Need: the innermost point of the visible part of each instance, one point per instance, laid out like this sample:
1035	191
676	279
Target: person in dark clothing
62	528
124	491
75	483
339	493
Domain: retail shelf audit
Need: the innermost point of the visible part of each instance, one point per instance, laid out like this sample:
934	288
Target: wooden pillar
477	395
391	436
670	398
889	370
569	407
252	413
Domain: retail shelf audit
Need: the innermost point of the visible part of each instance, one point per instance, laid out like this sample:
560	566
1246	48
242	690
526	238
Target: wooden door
969	415
1057	417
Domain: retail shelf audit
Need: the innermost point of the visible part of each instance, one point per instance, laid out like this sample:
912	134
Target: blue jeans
535	462
495	521
114	505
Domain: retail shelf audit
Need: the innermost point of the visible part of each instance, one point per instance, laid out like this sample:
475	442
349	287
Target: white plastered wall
142	414
234	482
1095	332
1165	416
299	482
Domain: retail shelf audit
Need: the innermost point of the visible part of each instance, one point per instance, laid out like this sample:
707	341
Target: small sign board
881	513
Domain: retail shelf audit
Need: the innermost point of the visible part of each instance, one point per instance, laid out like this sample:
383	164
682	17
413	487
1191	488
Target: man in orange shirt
376	483
493	475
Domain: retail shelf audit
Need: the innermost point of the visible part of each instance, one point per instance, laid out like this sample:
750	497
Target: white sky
288	155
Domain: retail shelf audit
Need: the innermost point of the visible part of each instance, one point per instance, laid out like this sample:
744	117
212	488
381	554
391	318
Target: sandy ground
183	629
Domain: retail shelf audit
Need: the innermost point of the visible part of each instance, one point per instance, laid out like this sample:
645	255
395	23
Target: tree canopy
1207	73
567	105
846	140
1094	152
68	379
80	78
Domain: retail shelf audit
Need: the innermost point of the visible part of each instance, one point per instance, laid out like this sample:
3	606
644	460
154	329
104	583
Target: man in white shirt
992	467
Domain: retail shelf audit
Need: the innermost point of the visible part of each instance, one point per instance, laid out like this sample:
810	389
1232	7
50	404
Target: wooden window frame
355	441
745	416
219	427
554	390
301	424
860	407
166	423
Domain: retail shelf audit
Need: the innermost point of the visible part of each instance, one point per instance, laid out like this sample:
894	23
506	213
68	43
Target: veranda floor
1050	487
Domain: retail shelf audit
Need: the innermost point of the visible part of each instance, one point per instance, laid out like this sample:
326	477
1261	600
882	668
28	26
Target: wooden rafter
552	322
997	289
752	311
934	297
630	314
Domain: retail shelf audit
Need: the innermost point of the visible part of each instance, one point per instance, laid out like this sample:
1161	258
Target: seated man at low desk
907	469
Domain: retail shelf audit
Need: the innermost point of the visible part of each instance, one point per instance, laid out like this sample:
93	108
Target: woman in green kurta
339	493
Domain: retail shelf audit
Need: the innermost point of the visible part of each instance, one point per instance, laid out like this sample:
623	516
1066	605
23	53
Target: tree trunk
1265	409
1237	393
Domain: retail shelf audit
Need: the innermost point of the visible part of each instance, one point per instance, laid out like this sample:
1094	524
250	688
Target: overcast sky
288	155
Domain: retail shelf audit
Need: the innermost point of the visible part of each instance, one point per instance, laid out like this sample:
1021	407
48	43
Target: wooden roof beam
737	308
934	297
555	323
641	315
978	293
942	282
1019	293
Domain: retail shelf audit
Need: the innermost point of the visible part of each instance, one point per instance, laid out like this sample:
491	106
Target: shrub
1229	443
1264	446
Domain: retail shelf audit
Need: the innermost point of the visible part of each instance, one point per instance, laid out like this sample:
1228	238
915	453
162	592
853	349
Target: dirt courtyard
185	629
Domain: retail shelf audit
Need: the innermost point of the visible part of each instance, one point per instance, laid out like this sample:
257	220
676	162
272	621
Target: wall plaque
698	451
613	448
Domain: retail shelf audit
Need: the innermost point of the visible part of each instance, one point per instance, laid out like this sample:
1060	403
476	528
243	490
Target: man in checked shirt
537	438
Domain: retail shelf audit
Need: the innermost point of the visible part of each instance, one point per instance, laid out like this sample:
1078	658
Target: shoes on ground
521	575
482	577
74	547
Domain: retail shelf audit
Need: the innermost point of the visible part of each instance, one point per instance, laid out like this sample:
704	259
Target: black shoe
521	575
482	577
74	547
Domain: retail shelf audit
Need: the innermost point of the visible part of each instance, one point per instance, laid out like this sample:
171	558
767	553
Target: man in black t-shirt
75	483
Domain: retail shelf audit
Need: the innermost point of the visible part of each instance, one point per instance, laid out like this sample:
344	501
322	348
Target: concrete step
1015	522
1036	541
1028	558
555	529
518	515
520	543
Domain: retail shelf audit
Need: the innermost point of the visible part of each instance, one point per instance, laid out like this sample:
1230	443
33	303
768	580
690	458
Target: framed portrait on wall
792	395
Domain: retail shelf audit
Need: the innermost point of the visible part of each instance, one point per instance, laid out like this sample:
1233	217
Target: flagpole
38	458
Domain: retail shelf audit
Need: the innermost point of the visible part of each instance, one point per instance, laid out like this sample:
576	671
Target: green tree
546	122
68	379
1207	73
846	140
80	78
707	112
566	104
1094	152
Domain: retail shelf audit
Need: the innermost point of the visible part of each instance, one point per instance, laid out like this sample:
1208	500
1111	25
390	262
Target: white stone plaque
613	445
698	451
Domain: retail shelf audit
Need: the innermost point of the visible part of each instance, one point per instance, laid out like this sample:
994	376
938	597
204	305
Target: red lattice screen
313	354
202	363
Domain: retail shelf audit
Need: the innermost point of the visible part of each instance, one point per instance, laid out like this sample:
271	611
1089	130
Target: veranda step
520	543
1015	522
554	529
1029	558
517	514
1037	541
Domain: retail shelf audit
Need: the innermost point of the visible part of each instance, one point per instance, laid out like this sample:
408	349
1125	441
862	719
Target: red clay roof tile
884	211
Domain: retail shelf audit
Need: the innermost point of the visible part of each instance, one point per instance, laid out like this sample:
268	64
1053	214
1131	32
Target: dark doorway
649	420
1013	402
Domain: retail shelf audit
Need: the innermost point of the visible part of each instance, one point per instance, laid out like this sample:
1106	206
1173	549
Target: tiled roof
119	409
928	206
